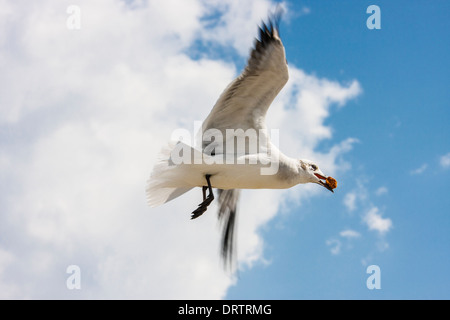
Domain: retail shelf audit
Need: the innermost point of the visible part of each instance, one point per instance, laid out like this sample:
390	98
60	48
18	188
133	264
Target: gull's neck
289	171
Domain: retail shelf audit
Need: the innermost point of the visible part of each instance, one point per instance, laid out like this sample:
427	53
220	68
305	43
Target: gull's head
313	174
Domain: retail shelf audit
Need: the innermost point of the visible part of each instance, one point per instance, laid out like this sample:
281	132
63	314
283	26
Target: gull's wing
243	105
245	101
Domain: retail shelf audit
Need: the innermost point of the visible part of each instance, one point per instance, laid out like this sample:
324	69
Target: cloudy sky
90	91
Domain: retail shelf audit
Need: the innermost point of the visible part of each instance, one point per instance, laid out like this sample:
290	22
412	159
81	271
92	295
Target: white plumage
241	111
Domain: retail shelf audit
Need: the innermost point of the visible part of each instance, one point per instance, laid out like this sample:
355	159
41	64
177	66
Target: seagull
238	115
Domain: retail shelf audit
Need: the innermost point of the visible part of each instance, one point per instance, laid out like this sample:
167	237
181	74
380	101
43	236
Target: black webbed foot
202	207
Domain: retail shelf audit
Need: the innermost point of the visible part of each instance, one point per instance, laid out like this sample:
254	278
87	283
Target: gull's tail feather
157	196
228	200
164	183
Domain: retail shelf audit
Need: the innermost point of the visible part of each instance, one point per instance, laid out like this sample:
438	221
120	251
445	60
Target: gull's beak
323	183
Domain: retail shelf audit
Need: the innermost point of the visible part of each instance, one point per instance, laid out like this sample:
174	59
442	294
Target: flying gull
238	115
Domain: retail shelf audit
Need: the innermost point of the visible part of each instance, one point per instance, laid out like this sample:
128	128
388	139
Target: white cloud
356	197
375	221
350	234
87	112
335	245
304	11
350	201
381	190
359	199
419	170
235	19
445	161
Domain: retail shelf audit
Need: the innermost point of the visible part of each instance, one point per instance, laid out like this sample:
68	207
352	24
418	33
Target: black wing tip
269	31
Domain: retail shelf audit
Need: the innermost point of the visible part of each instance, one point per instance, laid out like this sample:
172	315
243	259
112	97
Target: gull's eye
313	167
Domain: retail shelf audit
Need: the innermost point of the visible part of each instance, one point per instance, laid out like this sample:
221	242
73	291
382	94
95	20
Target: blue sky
401	121
85	110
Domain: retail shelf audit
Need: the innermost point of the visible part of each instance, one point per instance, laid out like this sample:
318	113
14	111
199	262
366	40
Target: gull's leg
204	192
206	200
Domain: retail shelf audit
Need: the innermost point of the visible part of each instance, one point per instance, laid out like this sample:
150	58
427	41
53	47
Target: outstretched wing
245	101
243	105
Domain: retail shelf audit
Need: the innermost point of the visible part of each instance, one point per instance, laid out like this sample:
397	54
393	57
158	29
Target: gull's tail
170	180
164	183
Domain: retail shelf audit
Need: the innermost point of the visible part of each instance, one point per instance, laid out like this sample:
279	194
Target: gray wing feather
244	103
228	200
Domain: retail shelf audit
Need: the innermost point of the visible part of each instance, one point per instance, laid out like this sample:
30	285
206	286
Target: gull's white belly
231	176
